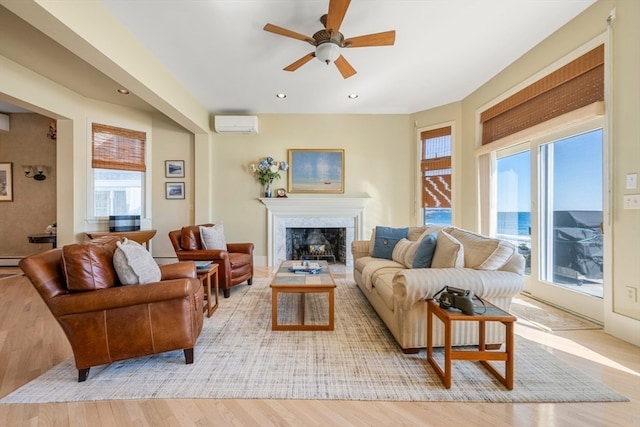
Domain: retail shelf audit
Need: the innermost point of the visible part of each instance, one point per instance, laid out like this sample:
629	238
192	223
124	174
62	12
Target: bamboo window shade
575	85
435	167
117	148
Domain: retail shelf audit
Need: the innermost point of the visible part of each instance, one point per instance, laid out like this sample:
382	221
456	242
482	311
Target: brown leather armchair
235	265
107	324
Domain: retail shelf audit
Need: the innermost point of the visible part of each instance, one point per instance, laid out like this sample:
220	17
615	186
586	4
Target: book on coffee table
202	265
305	267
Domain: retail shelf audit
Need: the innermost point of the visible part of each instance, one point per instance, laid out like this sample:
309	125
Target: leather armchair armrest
242	248
203	255
122	296
178	270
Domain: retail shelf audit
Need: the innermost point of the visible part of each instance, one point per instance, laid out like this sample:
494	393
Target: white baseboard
9	261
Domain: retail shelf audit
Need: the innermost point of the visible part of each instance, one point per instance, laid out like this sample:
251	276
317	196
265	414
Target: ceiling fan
329	41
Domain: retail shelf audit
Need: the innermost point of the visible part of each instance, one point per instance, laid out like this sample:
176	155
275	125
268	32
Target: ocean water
509	223
437	217
514	223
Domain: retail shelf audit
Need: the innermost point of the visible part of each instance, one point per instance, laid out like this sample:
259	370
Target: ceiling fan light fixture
327	52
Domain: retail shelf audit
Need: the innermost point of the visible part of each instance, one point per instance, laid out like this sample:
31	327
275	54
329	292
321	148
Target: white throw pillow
404	252
134	264
213	237
482	252
449	252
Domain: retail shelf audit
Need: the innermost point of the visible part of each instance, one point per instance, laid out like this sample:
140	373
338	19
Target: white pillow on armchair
213	237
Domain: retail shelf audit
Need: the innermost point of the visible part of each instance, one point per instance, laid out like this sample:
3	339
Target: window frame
418	203
91	217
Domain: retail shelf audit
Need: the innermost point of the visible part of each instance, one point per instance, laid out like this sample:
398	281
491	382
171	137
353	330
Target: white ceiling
444	50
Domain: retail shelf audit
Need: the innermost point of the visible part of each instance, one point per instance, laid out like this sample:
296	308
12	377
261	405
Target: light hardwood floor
31	342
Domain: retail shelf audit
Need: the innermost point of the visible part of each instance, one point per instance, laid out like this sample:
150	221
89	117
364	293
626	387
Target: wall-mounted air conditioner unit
236	124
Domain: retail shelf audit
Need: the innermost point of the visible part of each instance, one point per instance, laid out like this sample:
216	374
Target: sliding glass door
513	222
550	204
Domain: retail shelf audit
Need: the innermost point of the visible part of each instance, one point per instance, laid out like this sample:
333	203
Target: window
435	175
118	170
543	149
513	197
571	244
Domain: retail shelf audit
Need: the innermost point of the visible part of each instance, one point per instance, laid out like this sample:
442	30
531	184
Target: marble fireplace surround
312	212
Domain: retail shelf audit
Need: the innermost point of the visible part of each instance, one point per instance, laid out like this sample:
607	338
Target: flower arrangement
51	228
267	169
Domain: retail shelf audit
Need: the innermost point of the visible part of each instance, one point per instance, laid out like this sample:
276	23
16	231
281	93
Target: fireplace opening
328	244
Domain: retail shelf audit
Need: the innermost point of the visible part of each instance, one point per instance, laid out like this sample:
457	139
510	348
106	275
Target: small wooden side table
43	238
205	275
492	314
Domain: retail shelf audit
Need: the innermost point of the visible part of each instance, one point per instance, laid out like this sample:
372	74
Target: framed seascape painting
174	190
174	168
316	171
6	182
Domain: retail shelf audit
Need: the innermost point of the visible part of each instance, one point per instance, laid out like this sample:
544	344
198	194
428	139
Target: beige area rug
548	318
238	356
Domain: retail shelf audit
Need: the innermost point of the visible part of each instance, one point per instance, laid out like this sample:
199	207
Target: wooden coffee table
286	281
492	314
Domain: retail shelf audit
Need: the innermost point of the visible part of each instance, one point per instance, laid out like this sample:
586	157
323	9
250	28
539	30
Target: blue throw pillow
424	253
386	239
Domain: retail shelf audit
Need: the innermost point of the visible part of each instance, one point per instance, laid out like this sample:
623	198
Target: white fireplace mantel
312	211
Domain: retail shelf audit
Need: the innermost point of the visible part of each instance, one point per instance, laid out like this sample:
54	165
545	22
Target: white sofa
491	268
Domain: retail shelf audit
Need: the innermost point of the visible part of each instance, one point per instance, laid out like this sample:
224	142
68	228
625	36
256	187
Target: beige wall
377	153
170	142
625	152
34	202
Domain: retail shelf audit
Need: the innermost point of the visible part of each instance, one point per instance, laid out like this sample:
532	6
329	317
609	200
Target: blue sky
577	172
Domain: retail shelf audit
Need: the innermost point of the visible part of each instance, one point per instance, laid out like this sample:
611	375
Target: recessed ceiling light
281	95
352	96
123	91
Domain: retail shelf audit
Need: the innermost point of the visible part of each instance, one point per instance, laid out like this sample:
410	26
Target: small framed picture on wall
174	168
6	182
174	190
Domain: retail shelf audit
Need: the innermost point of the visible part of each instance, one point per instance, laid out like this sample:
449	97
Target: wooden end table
140	236
286	281
492	314
205	275
43	238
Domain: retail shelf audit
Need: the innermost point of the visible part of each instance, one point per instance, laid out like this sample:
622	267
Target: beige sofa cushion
383	286
375	266
415	233
449	252
482	252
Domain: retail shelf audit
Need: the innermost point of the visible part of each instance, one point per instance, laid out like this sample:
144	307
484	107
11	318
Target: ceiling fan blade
386	38
344	67
300	62
288	33
337	10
